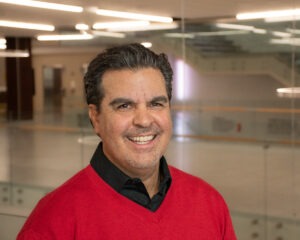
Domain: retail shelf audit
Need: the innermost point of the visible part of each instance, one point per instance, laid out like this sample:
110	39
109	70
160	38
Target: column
19	80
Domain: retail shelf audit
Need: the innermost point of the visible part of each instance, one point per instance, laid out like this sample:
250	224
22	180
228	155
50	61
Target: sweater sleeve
229	233
48	224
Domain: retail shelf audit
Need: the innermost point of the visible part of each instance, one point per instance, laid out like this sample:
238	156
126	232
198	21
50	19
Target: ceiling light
234	26
286	41
82	26
65	37
47	5
120	25
288	92
150	27
282	19
136	16
2	41
109	34
268	14
293	31
242	27
221	33
14	53
34	26
259	31
180	35
281	34
280	41
147	44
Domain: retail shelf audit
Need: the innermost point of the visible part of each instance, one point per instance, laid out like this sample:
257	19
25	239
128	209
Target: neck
152	183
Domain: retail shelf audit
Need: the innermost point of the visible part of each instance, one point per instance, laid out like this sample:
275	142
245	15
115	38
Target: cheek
114	126
166	121
103	126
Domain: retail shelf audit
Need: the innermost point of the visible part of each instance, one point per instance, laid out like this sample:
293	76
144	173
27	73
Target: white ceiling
198	10
189	9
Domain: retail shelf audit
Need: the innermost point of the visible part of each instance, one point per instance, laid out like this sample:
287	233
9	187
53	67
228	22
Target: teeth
142	139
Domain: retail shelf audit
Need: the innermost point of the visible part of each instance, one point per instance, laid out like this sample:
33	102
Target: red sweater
86	207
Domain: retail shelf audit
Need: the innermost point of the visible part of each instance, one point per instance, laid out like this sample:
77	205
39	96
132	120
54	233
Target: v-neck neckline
130	206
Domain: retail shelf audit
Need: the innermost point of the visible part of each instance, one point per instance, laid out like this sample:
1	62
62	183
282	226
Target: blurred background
235	106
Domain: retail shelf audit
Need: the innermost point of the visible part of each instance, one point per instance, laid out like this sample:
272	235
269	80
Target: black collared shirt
132	188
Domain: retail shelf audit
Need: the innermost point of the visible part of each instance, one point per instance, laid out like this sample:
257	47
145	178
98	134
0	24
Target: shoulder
182	177
73	186
189	190
193	185
58	208
72	191
207	203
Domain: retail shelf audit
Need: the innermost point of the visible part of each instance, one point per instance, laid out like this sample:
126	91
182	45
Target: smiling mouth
142	139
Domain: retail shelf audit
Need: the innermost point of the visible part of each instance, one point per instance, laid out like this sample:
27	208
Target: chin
141	163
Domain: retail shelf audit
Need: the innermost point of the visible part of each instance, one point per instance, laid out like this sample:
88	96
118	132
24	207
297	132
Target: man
128	191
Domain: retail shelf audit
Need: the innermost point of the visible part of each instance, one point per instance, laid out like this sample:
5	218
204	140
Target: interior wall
233	89
218	89
72	74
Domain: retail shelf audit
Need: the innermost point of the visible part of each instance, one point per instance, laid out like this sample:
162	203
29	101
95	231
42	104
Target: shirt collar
118	179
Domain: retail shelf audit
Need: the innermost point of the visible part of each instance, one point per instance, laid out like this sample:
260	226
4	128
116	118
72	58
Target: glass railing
250	155
10	223
261	227
18	200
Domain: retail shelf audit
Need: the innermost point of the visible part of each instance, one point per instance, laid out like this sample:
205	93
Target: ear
93	114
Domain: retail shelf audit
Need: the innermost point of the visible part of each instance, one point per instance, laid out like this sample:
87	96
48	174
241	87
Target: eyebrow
121	100
117	101
163	99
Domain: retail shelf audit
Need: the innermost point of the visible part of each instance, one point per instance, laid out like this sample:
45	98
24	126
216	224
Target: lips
142	139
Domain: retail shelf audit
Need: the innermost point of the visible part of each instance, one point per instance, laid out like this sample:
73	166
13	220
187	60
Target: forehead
133	80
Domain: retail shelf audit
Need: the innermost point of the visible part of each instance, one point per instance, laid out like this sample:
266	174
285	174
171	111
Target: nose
142	117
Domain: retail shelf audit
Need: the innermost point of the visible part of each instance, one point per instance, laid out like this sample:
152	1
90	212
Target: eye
157	104
124	106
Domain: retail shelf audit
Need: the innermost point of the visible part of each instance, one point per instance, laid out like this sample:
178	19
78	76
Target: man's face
134	119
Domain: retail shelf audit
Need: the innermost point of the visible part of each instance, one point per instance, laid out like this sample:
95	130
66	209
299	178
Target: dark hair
130	56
